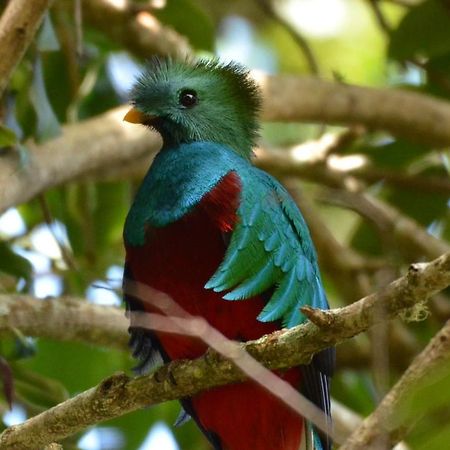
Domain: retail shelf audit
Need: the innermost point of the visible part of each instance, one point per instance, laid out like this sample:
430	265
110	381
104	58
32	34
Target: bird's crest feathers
226	110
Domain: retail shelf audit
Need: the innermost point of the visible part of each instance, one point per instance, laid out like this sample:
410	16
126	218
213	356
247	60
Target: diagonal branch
345	421
300	40
120	394
392	419
301	161
408	235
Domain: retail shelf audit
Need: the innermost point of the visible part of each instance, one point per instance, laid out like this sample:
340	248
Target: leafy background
69	241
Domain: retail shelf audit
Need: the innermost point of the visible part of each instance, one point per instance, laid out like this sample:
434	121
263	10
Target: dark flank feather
316	385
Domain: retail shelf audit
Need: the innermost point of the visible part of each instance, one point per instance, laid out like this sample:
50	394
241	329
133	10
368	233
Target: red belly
179	260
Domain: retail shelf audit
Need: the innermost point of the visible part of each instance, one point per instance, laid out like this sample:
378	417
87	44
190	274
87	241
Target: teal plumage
261	249
270	245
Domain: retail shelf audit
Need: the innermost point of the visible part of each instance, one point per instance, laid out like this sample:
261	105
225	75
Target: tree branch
106	143
414	116
96	144
408	235
345	421
18	25
311	60
392	419
308	161
119	394
410	115
138	31
75	320
63	319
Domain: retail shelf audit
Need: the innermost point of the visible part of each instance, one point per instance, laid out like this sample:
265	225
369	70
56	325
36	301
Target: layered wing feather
270	248
271	251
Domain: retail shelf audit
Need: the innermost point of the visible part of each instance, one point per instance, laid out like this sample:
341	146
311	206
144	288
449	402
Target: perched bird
226	242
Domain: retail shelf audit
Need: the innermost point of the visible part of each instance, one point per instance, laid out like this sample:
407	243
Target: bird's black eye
188	98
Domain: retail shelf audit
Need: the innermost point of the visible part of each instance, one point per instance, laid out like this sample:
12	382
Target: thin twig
299	39
78	14
379	16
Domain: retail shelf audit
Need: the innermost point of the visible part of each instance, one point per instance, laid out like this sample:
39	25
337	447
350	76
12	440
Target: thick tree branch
413	116
391	421
119	394
75	320
18	25
63	319
94	145
410	115
105	143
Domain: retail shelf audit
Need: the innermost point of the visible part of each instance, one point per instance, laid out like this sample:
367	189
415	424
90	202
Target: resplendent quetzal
226	242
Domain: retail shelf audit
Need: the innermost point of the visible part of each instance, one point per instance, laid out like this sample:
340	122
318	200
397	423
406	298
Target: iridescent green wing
270	248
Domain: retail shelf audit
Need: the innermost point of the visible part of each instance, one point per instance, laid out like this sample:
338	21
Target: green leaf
79	366
366	239
43	391
112	204
14	264
424	31
395	154
424	207
438	76
47	40
189	20
353	389
7	137
47	122
7	382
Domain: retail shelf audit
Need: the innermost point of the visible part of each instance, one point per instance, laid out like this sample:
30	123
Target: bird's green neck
177	180
236	137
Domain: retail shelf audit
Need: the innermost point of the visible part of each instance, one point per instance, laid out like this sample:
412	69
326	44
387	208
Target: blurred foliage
55	85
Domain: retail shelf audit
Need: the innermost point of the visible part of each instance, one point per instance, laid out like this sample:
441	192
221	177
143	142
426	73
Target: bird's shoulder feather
270	247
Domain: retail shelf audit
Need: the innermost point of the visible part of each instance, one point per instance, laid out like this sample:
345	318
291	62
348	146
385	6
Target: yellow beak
135	116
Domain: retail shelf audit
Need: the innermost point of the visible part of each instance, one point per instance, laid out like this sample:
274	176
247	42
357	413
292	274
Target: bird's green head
201	101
